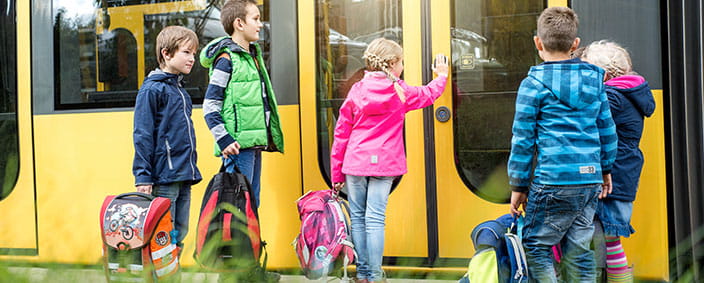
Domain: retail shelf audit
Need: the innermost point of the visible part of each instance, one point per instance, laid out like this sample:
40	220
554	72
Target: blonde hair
610	56
171	38
380	55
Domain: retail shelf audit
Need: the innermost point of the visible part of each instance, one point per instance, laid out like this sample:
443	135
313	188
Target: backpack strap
520	223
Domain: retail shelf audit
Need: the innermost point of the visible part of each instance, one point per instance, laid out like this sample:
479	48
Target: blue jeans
368	197
560	215
180	195
250	163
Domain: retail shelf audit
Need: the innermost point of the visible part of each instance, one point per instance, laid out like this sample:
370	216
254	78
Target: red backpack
228	237
324	243
138	239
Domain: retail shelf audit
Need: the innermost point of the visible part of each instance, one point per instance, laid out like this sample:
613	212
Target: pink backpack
324	243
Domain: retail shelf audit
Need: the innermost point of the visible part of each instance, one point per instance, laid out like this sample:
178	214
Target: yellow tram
67	118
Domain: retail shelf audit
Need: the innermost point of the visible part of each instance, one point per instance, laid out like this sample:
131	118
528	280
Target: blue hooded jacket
631	100
563	121
164	138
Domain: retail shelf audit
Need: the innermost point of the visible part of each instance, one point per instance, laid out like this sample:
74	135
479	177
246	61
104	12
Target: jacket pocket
168	155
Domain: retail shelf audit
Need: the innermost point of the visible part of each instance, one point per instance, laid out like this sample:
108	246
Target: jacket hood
376	94
157	75
562	79
637	90
215	48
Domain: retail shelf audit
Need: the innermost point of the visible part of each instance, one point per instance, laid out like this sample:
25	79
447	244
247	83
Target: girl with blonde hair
631	101
368	150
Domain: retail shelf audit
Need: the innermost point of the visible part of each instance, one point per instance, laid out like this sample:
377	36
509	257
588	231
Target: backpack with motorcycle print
139	240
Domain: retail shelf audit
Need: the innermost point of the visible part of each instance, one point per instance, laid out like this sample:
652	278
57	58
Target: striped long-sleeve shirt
212	104
563	121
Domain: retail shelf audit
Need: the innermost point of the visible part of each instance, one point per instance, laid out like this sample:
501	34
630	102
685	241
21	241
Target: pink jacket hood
626	81
369	130
380	96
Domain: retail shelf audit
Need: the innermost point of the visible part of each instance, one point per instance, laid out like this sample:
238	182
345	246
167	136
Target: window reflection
9	150
492	50
343	30
101	55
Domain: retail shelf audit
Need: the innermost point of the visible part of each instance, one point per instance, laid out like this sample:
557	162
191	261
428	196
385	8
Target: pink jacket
369	130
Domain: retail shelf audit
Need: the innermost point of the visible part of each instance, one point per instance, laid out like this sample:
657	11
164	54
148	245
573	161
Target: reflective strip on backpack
167	269
136	267
164	251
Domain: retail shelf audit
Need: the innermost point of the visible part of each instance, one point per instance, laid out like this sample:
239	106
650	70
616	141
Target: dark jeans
560	215
180	195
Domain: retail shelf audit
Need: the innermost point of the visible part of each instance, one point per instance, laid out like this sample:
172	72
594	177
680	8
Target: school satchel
324	243
499	255
138	238
228	237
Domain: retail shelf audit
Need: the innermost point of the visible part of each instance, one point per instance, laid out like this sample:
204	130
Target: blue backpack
499	255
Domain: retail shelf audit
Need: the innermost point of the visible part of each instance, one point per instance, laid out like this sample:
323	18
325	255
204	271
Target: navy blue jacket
164	138
631	100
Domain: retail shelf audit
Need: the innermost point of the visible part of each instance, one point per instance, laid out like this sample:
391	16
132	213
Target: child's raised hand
440	65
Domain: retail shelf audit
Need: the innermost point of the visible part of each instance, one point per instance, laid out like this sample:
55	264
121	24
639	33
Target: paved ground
33	274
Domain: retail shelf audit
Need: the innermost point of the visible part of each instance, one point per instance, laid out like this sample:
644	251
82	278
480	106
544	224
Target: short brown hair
557	28
232	10
171	38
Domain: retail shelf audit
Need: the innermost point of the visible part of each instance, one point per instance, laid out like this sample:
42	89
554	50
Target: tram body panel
67	143
18	210
70	161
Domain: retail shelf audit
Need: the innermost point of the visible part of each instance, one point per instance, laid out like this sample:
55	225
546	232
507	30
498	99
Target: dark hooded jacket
631	101
164	138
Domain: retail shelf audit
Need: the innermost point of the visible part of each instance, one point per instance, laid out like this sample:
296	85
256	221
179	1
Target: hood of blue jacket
157	75
640	96
573	82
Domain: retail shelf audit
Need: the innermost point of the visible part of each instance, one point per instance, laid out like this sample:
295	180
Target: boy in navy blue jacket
164	140
563	122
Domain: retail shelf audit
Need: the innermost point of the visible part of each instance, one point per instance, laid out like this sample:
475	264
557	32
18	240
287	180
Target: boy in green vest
239	105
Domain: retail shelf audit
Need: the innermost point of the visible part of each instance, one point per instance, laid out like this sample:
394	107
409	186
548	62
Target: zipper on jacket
267	122
190	136
168	155
234	114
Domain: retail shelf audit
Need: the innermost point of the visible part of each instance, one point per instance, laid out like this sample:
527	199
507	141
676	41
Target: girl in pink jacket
368	151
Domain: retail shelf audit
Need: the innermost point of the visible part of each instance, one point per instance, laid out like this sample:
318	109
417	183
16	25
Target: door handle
443	114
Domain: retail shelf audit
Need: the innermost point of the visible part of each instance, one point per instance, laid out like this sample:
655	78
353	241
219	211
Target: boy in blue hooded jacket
563	122
164	139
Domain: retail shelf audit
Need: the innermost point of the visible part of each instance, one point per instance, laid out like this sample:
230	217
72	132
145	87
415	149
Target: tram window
638	31
343	31
492	50
97	58
9	150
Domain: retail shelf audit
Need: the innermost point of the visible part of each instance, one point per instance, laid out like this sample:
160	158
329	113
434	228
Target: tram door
457	166
492	50
18	230
333	36
491	46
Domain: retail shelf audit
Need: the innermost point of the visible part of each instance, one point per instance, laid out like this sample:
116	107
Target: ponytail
379	55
